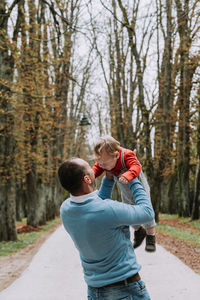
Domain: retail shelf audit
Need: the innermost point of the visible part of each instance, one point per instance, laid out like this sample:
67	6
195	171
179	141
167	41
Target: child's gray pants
127	196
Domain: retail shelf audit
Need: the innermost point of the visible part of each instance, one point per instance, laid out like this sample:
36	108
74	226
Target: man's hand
122	179
109	176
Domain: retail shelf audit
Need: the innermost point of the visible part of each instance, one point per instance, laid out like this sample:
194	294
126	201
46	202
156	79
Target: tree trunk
173	194
186	74
7	141
8	230
21	201
196	203
162	146
156	195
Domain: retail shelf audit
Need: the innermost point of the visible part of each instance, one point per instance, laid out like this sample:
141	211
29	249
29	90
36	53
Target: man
99	229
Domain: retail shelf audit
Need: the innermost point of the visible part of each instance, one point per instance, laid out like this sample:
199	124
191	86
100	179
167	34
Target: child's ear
117	155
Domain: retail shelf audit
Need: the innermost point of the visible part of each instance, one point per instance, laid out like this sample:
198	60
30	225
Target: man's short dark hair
71	175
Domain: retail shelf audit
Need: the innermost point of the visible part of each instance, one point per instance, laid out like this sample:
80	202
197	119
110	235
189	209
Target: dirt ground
13	265
186	252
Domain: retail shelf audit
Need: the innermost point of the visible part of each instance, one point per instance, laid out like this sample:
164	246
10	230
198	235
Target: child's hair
108	143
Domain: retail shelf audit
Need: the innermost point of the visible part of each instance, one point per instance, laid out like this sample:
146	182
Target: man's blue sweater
99	229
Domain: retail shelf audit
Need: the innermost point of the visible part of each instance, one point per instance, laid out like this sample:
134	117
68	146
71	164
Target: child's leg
139	231
126	194
142	178
151	236
151	230
127	197
150	227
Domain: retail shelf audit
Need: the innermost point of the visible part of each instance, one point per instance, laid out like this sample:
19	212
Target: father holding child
99	228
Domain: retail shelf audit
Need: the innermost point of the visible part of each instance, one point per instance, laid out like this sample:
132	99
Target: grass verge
25	239
180	228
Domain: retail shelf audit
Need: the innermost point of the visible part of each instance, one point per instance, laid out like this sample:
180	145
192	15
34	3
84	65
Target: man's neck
86	190
83	197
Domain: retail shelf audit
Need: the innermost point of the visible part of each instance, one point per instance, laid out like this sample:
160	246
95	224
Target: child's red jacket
130	161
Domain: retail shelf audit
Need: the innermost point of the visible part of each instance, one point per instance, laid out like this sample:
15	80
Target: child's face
106	160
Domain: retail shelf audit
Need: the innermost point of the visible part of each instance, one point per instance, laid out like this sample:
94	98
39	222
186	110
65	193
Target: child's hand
122	179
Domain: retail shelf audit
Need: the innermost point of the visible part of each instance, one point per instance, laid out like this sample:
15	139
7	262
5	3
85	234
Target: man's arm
105	191
127	214
140	213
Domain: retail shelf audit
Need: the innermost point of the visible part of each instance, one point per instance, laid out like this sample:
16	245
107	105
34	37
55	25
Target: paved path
55	274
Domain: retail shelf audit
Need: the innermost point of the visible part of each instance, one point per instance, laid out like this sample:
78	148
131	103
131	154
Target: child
124	166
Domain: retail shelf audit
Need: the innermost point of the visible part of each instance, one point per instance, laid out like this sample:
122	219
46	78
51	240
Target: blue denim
132	291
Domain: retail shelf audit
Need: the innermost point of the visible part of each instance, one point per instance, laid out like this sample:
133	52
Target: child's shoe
150	243
139	236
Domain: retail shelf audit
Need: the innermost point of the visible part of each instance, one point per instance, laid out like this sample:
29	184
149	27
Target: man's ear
87	179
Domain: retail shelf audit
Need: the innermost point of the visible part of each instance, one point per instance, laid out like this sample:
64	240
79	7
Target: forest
131	67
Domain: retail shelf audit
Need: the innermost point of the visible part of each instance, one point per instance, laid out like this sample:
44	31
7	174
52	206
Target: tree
188	65
169	114
7	141
196	202
163	119
42	80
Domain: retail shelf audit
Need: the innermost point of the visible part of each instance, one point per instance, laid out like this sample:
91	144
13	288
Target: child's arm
133	166
97	170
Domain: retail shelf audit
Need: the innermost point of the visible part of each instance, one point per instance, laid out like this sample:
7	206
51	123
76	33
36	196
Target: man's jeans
132	291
